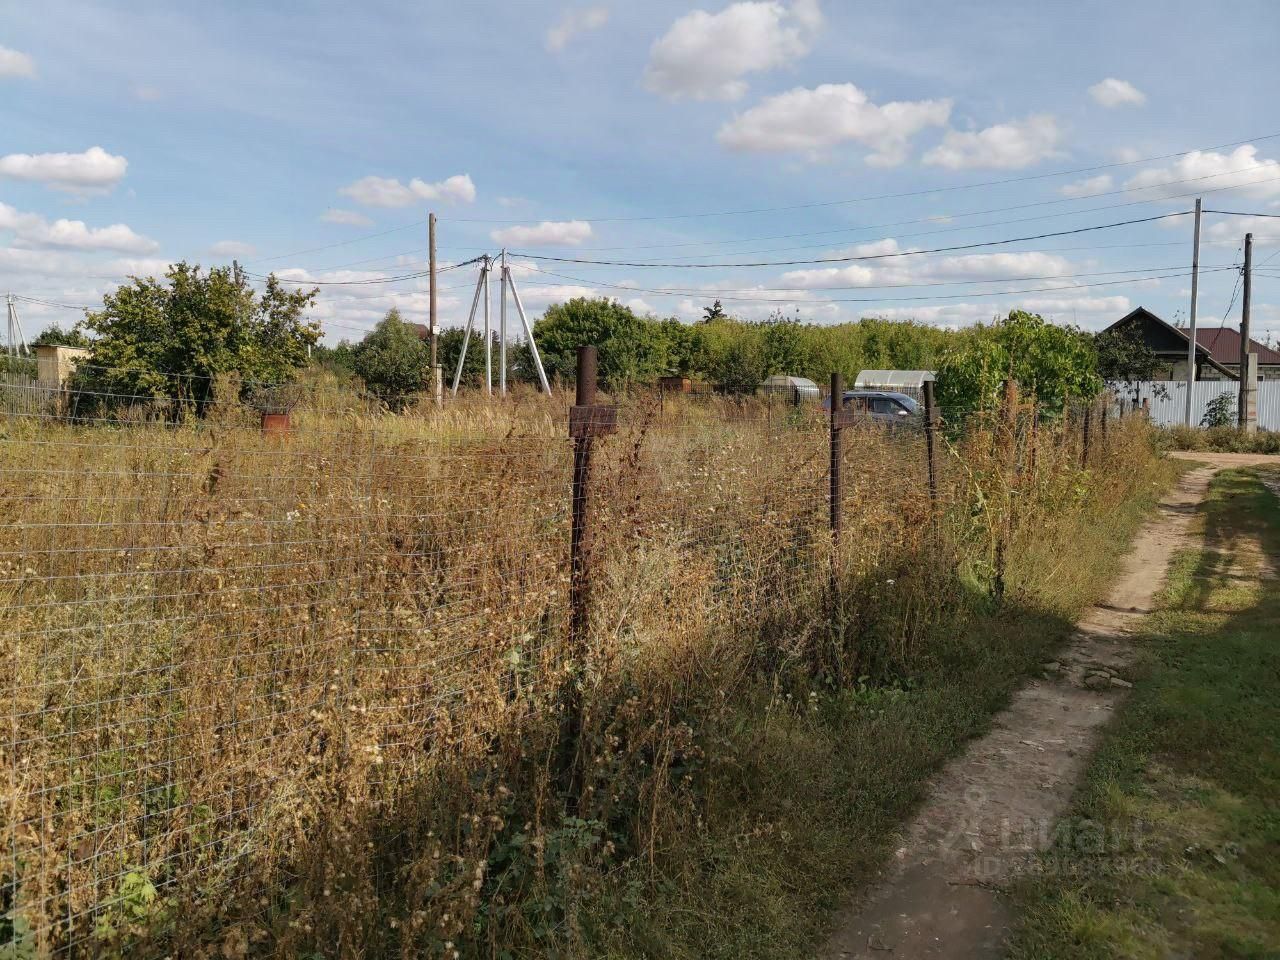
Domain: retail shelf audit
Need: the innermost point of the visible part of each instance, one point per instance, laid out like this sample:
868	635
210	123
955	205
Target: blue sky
312	139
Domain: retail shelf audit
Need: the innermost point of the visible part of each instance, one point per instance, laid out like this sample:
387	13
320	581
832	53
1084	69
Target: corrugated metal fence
1169	400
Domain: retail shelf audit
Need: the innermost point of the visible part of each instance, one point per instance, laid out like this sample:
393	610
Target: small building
55	364
909	382
795	389
1169	344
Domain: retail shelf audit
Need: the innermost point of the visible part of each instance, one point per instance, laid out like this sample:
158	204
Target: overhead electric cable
856	257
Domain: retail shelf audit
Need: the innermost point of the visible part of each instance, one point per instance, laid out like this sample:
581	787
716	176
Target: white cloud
704	56
232	248
147	94
91	171
1005	146
1240	168
573	23
1113	93
548	233
348	218
33	230
1090	312
389	192
1234	228
1089	187
138	266
16	64
814	119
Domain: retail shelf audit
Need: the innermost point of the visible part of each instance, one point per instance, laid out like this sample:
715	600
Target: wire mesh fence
221	633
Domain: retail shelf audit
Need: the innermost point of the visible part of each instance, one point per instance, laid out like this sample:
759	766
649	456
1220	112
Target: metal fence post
931	439
835	493
587	420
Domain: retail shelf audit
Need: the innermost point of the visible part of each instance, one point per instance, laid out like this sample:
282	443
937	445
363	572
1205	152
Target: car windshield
909	403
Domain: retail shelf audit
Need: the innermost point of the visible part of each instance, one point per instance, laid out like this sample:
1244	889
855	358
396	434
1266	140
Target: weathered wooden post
1006	467
1085	436
587	420
931	439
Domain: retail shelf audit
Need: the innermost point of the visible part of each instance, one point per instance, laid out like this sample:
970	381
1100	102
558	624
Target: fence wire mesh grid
217	634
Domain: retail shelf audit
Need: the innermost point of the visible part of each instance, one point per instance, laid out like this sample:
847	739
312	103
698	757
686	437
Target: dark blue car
883	406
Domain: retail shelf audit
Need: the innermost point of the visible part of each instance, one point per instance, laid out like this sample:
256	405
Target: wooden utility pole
437	381
1248	383
1191	338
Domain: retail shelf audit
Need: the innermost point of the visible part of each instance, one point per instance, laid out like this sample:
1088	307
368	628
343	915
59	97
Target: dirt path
992	809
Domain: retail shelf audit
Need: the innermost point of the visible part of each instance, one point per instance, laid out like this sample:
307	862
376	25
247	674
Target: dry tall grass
304	697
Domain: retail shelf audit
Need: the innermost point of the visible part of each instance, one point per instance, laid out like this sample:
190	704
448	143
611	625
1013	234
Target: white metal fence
1169	400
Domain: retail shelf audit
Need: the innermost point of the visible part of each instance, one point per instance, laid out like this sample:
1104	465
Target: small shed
55	364
795	389
912	380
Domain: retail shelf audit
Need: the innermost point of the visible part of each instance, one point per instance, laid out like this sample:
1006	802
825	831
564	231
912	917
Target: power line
50	303
1237	213
891	196
971	213
962	228
717	291
1182	272
368	281
854	258
803	206
341	243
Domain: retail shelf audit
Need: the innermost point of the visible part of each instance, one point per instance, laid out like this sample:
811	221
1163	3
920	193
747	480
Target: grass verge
1183	792
805	803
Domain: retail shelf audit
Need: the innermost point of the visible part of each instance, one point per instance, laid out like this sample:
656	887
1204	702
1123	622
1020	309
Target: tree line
171	339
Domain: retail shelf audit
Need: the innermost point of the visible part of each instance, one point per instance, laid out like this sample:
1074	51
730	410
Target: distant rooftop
1223	344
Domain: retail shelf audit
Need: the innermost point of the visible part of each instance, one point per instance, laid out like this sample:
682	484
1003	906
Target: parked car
882	406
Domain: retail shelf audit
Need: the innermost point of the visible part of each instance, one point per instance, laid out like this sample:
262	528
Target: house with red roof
1217	348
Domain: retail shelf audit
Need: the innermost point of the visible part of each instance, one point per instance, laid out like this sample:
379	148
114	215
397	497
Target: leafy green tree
713	312
632	349
1058	364
519	361
683	346
393	361
1124	355
54	335
156	339
339	359
783	346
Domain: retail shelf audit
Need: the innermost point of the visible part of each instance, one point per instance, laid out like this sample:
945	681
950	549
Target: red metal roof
1223	344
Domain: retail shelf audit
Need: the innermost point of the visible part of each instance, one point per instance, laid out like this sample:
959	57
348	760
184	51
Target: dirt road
992	809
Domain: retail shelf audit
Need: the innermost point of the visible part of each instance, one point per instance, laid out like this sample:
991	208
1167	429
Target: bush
1057	364
393	361
1216	439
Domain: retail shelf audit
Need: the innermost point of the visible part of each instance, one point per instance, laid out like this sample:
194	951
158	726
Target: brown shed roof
1223	344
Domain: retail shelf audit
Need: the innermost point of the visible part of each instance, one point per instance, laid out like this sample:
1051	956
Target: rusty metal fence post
931	439
836	492
587	420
